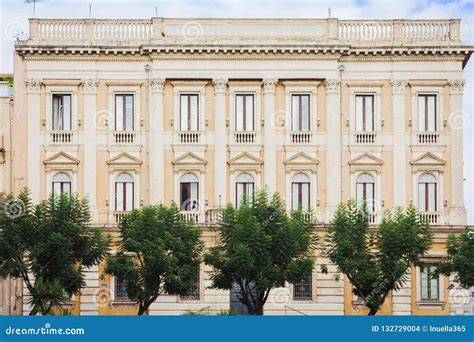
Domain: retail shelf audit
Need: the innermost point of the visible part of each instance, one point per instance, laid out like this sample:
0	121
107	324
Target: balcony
373	218
243	137
431	218
193	216
427	138
61	137
190	137
117	216
365	138
124	138
300	138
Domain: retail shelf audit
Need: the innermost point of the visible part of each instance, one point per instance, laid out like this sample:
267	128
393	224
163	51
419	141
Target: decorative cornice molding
456	86
398	86
33	86
90	86
332	86
157	85
220	85
269	85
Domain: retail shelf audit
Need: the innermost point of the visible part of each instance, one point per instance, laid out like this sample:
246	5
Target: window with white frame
62	113
300	109
244	188
120	288
189	192
429	285
365	190
61	183
300	194
427	112
189	112
244	112
124	192
364	112
303	289
124	113
427	193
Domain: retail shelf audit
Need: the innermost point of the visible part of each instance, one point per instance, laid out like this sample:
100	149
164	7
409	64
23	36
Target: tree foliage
158	252
460	259
376	262
261	247
48	246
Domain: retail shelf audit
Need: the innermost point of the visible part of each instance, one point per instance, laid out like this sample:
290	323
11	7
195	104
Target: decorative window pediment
365	162
124	160
301	158
245	161
61	160
428	162
189	161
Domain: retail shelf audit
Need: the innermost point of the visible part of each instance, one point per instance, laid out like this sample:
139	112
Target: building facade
201	111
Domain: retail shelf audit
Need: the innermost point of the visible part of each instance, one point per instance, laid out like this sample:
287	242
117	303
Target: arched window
365	190
244	186
124	192
427	193
61	183
300	192
189	190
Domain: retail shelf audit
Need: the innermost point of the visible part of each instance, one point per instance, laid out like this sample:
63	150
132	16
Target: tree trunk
259	310
142	309
372	311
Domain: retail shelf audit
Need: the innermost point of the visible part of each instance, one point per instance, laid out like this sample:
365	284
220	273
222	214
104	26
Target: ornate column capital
157	85
220	85
456	86
90	86
269	85
332	86
33	86
398	86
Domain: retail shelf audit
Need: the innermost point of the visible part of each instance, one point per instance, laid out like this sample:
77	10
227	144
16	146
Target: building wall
157	153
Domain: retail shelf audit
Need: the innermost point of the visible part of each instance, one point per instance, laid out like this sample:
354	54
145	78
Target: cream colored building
199	111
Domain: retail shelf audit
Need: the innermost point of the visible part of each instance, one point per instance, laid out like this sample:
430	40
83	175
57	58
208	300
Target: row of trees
260	247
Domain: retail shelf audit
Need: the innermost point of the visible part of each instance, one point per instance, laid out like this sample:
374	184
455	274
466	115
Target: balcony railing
373	218
193	216
427	138
124	137
430	217
62	137
242	137
365	137
213	216
118	216
300	137
193	137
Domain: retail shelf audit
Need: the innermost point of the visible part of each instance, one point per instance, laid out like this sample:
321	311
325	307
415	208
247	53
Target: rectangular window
124	194
427	113
124	112
300	112
244	112
62	120
189	196
195	292
429	286
189	109
303	290
120	290
364	113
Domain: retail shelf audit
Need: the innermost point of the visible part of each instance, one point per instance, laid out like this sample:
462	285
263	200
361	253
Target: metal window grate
121	289
195	291
303	290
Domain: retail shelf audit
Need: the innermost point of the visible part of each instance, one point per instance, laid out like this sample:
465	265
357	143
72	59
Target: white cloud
18	11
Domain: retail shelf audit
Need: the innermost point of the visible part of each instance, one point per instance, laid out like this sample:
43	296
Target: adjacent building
201	111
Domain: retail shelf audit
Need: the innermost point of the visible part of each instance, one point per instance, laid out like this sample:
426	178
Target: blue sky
14	14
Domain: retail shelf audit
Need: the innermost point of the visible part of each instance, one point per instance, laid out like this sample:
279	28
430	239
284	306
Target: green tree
158	252
261	247
460	259
48	246
376	261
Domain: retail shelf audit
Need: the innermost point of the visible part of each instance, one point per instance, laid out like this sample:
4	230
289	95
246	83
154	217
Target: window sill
430	305
122	303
